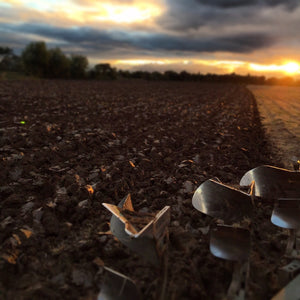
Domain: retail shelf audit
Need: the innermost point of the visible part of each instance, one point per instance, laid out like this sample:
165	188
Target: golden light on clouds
191	65
213	66
290	67
102	11
127	13
141	62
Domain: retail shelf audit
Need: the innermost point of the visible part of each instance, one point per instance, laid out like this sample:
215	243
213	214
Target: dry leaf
27	232
16	237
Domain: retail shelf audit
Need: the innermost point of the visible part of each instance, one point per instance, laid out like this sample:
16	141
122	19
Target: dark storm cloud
111	40
238	3
195	14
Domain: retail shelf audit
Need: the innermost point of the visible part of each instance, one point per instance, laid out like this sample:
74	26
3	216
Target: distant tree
287	81
171	75
78	66
12	63
9	61
103	71
5	51
184	76
272	81
58	64
35	59
156	76
124	74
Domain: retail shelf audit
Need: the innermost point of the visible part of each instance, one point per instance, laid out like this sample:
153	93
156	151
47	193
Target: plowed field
157	141
279	107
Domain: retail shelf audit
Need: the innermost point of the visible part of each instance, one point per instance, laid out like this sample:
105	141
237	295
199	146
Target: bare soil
279	107
68	146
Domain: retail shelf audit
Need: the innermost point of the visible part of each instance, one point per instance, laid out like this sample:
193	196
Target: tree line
37	60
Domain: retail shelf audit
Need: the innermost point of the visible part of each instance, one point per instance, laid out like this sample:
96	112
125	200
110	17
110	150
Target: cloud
203	14
290	4
107	40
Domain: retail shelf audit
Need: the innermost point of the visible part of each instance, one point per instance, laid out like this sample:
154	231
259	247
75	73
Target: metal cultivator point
286	214
281	187
227	242
144	233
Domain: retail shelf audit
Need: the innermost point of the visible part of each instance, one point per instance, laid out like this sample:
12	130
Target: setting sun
291	68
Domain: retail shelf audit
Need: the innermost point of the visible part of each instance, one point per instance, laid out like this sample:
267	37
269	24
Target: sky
257	37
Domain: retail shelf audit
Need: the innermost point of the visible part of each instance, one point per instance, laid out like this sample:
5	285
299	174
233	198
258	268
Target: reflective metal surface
117	286
221	201
286	213
230	243
272	182
150	240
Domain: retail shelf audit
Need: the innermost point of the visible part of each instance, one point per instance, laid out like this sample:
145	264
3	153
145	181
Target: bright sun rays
290	68
126	13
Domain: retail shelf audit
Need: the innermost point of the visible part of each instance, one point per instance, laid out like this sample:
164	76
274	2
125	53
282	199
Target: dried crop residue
80	134
279	107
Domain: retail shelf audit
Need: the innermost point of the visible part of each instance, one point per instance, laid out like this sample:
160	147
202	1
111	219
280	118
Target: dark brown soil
68	146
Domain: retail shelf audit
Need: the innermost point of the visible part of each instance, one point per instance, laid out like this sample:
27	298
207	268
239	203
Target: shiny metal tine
222	201
231	243
286	214
117	286
272	182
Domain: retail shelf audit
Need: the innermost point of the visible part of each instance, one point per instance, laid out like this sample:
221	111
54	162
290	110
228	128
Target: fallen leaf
16	237
27	232
12	258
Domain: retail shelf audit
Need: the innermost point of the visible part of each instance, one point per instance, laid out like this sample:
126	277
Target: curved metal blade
221	201
286	213
272	182
230	243
149	242
117	286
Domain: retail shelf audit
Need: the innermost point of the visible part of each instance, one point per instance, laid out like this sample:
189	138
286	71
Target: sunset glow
288	68
161	35
291	68
140	62
126	13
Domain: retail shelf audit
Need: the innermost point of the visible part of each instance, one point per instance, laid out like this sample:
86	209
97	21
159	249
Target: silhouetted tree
124	74
58	64
103	71
12	63
9	61
35	58
171	75
5	51
78	66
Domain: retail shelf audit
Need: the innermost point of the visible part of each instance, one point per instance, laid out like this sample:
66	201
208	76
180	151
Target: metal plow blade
222	201
286	214
146	234
233	244
273	183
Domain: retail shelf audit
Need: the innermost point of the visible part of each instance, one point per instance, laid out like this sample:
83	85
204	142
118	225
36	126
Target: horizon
220	37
